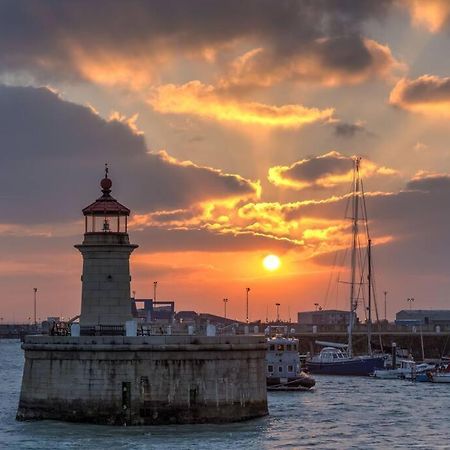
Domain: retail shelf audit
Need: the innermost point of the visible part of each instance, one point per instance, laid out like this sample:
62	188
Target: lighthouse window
272	347
288	347
270	369
290	368
280	369
280	347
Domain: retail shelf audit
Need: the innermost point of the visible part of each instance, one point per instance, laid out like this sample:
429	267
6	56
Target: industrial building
324	317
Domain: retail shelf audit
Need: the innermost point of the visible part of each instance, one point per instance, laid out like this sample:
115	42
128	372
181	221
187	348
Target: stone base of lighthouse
144	380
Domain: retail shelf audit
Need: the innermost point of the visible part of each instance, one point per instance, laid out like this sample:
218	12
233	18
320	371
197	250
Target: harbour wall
143	380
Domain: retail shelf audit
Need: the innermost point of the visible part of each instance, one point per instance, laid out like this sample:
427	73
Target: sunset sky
229	129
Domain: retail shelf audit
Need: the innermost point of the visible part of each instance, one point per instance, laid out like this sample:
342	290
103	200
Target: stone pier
144	380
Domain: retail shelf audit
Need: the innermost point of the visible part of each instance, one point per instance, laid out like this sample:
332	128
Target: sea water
340	413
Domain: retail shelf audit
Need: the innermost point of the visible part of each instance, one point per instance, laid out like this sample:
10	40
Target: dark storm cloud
314	168
59	39
315	172
53	153
427	94
429	182
324	171
425	89
416	218
151	239
164	240
348	130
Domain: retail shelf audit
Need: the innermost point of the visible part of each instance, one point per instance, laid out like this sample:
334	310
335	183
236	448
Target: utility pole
247	290
385	303
278	311
155	284
35	295
225	301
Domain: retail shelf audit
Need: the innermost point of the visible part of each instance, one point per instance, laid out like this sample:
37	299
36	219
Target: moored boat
440	377
407	369
338	359
283	366
334	361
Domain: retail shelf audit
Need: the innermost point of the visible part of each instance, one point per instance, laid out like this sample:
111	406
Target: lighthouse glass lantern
106	214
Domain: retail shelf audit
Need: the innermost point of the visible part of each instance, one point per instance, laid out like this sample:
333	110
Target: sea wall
143	380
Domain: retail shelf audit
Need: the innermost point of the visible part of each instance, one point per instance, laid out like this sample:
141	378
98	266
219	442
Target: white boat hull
441	378
389	374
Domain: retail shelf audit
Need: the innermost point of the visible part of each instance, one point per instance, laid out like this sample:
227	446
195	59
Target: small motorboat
440	377
432	373
283	366
407	369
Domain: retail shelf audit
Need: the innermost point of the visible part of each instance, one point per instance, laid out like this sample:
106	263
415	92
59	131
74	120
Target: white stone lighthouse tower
106	250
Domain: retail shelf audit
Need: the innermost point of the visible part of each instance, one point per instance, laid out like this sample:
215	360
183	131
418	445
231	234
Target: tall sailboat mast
355	210
369	282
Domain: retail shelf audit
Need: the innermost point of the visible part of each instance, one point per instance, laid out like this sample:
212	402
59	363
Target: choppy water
342	412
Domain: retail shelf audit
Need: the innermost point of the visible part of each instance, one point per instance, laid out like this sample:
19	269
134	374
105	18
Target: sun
271	262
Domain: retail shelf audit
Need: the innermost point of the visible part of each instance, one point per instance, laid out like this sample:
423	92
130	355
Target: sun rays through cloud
230	132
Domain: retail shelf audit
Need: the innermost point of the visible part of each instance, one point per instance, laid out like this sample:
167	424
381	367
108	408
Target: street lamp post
155	284
410	301
225	301
316	305
247	290
278	311
385	303
35	295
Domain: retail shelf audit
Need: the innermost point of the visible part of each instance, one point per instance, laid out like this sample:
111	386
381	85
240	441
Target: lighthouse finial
106	183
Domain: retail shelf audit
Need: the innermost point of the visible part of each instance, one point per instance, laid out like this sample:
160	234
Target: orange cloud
308	232
196	98
325	171
431	14
129	121
427	94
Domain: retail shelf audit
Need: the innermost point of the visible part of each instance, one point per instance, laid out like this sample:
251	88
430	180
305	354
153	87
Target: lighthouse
106	372
106	250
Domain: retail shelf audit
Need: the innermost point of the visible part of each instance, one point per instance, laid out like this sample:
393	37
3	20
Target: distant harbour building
186	316
324	317
153	311
425	317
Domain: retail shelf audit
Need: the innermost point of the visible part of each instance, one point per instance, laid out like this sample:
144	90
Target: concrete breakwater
143	380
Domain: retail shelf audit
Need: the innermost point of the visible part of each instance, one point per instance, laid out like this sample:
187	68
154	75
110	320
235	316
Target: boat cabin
283	360
331	354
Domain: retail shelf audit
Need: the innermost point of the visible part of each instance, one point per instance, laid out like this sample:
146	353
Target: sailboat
338	359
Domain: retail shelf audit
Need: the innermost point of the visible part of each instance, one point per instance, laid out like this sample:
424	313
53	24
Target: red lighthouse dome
106	183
